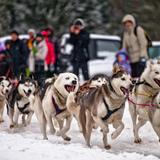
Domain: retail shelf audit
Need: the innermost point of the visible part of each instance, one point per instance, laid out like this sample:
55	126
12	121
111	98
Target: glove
143	59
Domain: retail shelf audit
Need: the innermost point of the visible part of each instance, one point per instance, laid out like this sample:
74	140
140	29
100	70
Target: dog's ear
149	63
116	69
31	76
22	77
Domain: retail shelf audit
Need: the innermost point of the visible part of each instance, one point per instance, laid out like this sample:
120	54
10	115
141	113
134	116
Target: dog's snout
74	82
29	91
7	90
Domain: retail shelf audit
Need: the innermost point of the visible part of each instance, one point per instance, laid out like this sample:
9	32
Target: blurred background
101	16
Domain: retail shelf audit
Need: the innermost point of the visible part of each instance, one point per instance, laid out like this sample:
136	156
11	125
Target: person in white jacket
38	55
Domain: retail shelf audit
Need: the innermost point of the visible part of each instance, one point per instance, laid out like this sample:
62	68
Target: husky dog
142	94
154	115
5	87
24	100
104	106
36	107
96	81
54	102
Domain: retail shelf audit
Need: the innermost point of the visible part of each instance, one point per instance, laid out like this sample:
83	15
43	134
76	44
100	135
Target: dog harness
57	108
109	112
22	109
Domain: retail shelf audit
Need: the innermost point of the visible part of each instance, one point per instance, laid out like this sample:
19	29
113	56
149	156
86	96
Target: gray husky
103	106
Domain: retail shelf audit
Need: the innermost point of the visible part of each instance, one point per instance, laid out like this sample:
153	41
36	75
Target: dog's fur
93	109
95	82
143	93
59	90
5	87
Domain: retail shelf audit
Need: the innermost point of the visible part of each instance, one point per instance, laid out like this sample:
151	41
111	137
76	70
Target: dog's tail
82	117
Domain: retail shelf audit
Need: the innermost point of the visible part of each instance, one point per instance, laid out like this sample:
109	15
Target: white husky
142	96
5	87
54	102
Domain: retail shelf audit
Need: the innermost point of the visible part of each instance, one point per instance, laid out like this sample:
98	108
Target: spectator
6	61
30	41
122	60
79	39
50	56
19	54
54	41
136	45
37	58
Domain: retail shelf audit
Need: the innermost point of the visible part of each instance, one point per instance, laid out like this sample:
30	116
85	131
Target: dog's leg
119	126
89	126
42	122
157	130
50	123
10	113
132	110
16	116
23	120
1	114
140	123
65	129
105	130
29	117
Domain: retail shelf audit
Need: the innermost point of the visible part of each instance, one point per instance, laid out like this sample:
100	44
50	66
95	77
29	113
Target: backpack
149	41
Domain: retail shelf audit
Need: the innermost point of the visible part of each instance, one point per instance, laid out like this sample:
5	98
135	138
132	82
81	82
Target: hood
129	17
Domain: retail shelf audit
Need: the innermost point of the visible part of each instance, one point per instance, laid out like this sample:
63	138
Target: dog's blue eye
67	78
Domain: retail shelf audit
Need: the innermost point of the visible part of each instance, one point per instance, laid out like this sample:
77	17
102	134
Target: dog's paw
137	140
11	126
52	132
67	138
107	147
45	138
114	135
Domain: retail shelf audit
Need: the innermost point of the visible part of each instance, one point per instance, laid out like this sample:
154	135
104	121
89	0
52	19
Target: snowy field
27	144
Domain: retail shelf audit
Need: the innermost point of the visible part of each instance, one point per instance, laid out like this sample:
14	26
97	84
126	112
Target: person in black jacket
79	39
19	54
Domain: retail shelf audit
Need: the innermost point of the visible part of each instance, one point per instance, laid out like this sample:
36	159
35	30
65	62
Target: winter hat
31	31
79	22
44	33
129	17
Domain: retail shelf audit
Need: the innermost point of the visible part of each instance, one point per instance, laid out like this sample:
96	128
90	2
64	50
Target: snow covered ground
27	144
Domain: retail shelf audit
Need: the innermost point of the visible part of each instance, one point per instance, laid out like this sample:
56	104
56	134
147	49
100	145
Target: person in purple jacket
122	60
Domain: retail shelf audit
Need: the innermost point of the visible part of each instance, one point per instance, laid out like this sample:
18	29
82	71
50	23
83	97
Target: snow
27	144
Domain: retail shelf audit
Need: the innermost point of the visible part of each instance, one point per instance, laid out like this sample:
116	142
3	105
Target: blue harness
58	110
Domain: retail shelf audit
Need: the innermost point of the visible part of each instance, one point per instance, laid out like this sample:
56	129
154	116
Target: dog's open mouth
124	90
157	81
70	88
26	93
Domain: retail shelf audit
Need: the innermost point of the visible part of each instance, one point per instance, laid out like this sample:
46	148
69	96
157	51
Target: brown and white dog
103	106
96	81
142	96
54	102
5	87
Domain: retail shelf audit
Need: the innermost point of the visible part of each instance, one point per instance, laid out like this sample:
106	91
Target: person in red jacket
50	58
